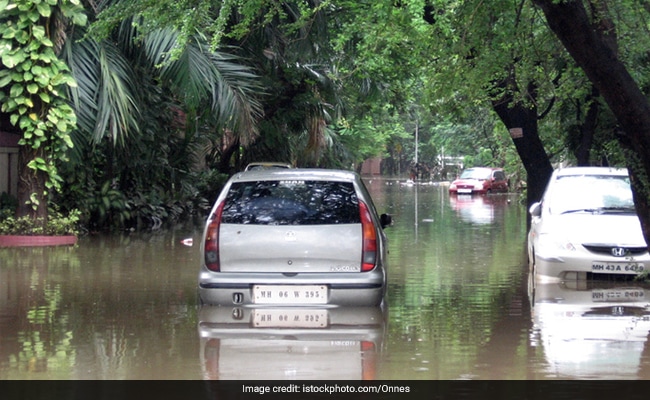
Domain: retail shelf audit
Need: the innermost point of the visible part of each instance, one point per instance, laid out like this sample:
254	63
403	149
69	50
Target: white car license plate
616	268
290	294
621	294
464	191
289	318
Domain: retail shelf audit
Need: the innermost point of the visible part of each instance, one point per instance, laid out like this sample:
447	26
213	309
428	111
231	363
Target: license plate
622	294
616	268
290	294
464	191
290	318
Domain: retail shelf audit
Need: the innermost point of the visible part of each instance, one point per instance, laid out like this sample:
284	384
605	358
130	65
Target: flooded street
458	307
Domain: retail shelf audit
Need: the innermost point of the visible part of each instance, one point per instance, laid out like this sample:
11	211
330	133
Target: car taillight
211	245
369	249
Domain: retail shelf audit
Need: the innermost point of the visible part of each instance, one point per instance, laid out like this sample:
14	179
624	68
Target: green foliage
56	224
209	183
106	206
151	103
338	82
32	79
215	19
364	139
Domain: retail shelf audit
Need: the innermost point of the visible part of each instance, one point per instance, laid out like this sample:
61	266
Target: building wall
371	166
9	163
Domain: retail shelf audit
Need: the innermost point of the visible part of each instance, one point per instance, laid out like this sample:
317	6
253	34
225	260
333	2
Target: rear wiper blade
624	209
599	210
577	210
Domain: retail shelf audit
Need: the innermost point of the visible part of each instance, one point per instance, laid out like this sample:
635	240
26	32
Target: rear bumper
362	289
345	297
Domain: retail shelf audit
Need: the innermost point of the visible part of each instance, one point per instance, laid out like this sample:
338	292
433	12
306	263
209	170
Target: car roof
569	171
267	164
295	174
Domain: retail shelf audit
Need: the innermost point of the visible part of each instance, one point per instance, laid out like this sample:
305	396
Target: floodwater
458	307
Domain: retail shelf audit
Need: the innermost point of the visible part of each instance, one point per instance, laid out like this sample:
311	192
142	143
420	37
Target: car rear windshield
291	202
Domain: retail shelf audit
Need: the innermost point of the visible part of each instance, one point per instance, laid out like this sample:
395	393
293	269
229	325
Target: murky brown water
125	307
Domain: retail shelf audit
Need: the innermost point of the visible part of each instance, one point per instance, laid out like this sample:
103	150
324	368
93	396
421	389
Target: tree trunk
594	50
30	181
521	121
229	145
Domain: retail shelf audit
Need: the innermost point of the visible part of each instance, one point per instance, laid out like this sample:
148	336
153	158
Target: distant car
266	165
585	225
480	180
294	237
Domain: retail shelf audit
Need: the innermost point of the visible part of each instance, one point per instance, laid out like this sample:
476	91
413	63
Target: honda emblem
618	251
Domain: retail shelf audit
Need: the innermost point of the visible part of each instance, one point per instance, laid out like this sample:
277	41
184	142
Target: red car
480	180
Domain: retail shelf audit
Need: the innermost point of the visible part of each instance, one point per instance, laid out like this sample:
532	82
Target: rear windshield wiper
577	210
618	209
600	210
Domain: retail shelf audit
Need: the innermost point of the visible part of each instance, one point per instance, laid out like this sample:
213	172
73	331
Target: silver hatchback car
294	237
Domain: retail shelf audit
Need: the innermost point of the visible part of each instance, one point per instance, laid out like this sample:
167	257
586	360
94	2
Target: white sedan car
586	225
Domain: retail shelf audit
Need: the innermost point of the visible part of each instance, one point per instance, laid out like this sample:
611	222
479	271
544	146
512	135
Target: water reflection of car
478	209
292	343
586	225
480	180
294	237
591	329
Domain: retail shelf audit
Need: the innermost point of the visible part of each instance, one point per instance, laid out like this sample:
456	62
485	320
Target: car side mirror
385	220
536	209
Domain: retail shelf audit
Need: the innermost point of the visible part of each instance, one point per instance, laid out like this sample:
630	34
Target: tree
499	53
145	120
32	81
138	102
590	38
520	118
288	45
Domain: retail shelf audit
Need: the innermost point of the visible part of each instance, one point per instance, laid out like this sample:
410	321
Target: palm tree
304	97
109	73
145	117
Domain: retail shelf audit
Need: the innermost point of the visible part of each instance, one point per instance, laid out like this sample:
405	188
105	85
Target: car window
574	193
476	174
291	202
499	176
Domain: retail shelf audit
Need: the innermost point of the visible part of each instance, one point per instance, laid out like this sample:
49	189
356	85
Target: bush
57	224
209	184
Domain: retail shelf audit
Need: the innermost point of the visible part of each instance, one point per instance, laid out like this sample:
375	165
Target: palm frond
237	95
117	103
104	100
198	75
81	57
